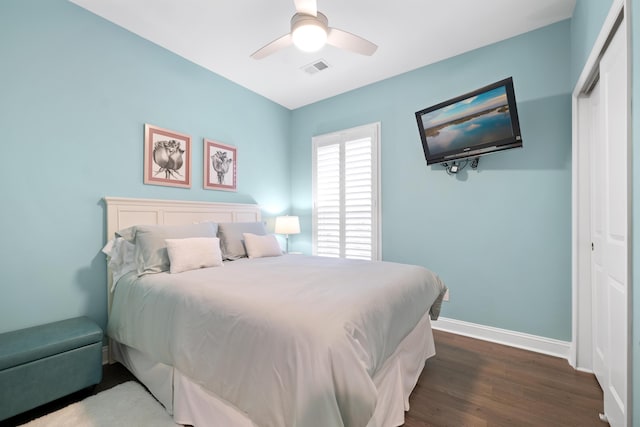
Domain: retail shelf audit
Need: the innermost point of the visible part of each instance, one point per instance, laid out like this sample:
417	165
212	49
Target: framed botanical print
167	157
220	166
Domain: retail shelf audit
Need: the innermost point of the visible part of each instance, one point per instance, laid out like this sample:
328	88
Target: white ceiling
221	34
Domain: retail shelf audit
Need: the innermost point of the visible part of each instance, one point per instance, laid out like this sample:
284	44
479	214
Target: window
345	193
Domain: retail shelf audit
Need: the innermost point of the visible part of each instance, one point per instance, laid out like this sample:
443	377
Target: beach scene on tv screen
473	121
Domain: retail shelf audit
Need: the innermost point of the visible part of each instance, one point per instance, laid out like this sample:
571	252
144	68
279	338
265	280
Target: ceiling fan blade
345	40
273	47
310	7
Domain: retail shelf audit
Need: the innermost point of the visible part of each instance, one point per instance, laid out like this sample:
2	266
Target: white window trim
371	130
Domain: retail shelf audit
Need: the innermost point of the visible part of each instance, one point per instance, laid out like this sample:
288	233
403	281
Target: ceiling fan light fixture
308	32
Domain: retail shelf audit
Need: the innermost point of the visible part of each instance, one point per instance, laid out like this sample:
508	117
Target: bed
268	341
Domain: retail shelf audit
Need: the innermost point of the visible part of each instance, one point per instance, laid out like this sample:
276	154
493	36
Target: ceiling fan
310	31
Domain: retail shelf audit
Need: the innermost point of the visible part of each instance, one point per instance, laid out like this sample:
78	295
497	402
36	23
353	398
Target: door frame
580	355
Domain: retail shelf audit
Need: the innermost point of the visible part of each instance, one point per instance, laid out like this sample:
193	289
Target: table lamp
287	225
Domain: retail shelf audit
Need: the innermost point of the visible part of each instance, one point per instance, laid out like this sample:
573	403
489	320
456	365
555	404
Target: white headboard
125	212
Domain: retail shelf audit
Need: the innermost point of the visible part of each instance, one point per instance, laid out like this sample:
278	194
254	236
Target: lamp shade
287	225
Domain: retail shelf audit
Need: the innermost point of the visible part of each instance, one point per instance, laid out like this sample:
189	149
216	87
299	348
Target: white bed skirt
191	404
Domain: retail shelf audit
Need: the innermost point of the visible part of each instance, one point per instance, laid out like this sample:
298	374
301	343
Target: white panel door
610	230
600	318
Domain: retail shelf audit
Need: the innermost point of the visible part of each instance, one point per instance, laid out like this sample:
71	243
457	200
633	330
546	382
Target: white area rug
127	404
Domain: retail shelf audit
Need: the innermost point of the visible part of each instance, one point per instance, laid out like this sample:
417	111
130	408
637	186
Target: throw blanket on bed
290	341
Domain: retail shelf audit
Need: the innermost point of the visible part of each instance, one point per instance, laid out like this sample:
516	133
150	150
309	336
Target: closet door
610	229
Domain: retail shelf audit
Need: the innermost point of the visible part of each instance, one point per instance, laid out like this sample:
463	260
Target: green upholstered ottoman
44	363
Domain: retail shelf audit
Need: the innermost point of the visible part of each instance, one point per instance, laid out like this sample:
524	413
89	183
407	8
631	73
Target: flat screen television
471	125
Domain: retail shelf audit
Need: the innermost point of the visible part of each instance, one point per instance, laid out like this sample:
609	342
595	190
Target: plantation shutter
345	183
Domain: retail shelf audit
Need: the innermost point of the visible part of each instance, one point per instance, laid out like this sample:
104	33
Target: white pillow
193	253
151	250
231	241
121	258
261	246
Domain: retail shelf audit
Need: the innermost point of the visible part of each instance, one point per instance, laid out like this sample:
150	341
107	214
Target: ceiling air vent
315	67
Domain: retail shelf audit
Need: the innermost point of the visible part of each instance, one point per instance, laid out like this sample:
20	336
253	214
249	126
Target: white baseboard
521	340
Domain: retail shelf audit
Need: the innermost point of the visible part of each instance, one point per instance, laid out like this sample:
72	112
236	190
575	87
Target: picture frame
167	157
220	166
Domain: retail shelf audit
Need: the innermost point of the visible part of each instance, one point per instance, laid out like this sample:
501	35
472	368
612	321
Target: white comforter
290	341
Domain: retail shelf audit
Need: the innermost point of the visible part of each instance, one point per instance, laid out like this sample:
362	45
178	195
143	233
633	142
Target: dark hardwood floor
476	383
468	383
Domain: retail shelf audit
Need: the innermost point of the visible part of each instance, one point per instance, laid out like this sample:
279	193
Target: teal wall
587	20
75	92
500	237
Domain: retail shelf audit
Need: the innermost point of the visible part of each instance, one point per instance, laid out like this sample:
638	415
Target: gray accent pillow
151	249
231	239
